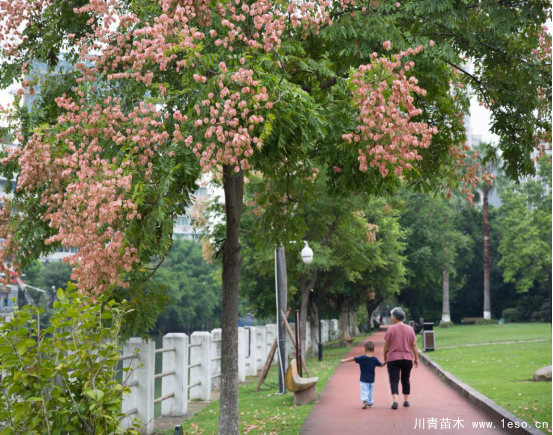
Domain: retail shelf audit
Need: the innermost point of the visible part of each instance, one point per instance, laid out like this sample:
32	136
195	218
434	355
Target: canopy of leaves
434	244
525	217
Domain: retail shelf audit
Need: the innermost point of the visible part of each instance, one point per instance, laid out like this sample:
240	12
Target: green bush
487	322
61	380
528	305
542	316
512	315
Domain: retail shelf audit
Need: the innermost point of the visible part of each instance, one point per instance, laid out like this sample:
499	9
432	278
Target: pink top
400	338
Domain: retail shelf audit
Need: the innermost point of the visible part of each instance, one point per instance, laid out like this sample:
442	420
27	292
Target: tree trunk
314	322
233	184
305	293
445	286
370	306
487	300
355	327
344	321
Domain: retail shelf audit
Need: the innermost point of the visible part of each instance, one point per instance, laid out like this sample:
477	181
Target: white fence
191	369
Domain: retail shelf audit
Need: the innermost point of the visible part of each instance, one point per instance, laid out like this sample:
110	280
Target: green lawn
501	372
467	334
266	412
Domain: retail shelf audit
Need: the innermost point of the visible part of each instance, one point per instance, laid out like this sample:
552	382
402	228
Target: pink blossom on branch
387	138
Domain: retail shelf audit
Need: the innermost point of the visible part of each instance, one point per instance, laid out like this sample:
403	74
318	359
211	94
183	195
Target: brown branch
325	85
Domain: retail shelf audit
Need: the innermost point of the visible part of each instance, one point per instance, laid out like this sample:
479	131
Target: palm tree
489	161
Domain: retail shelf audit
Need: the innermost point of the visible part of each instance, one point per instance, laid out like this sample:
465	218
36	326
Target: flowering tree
164	89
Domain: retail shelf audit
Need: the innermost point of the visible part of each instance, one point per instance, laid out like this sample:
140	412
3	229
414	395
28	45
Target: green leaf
34	399
96	395
21	347
60	294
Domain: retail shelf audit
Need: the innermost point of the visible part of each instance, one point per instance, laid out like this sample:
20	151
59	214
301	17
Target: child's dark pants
400	368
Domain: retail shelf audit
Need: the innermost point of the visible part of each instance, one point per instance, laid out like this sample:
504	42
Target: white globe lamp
307	254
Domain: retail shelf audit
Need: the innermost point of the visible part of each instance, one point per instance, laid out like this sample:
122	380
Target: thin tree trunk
487	300
370	306
233	184
445	287
344	321
314	322
355	327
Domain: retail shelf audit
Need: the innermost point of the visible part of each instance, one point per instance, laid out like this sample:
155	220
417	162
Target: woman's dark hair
398	313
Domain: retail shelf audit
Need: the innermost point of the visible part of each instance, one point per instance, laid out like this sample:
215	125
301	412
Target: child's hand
383	364
342	361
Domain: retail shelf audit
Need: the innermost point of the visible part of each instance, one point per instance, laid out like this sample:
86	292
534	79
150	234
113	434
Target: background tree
334	227
387	276
193	287
49	277
432	249
525	247
489	160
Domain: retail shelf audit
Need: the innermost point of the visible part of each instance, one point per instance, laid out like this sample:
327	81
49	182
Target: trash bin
428	337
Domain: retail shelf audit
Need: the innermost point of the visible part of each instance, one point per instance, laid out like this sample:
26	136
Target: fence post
200	366
271	334
325	325
216	359
251	342
308	336
177	361
334	329
142	393
241	354
261	346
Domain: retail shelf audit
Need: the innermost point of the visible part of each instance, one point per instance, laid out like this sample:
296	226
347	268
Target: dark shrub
512	315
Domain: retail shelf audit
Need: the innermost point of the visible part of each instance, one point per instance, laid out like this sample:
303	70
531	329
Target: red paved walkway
339	410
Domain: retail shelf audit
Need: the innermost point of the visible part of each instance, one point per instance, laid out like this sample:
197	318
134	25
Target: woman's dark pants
397	369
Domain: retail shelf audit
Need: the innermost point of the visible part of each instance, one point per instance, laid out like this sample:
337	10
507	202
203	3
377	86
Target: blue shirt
367	365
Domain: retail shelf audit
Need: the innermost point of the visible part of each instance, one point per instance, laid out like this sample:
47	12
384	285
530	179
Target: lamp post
307	257
280	328
320	313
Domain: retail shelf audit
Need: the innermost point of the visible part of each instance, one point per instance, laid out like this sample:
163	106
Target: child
367	363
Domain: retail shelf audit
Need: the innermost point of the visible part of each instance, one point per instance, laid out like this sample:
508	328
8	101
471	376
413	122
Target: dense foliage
160	90
60	379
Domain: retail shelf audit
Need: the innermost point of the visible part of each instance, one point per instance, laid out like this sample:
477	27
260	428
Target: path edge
492	409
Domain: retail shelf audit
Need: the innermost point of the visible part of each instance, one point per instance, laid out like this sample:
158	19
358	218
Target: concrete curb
492	409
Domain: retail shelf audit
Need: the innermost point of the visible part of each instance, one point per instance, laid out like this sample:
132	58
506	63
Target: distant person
367	364
399	351
419	326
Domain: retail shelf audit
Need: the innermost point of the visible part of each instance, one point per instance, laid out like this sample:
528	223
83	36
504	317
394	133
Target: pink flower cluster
386	136
88	198
14	16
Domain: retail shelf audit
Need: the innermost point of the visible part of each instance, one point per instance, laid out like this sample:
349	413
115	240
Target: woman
399	351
